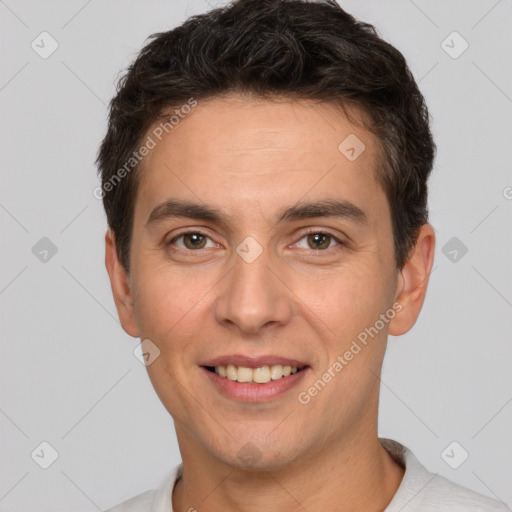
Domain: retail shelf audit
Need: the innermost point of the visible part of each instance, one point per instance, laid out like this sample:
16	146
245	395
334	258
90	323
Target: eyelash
310	231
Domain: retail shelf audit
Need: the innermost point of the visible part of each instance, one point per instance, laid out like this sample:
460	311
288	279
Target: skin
250	158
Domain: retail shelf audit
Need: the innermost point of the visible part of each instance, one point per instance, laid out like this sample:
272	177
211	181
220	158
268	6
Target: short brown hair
291	48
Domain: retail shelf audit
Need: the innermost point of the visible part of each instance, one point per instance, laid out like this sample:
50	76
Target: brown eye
318	241
192	240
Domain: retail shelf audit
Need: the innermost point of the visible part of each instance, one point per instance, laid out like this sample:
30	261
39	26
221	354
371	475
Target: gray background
68	375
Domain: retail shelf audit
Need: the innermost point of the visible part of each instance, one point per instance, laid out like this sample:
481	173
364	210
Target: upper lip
253	362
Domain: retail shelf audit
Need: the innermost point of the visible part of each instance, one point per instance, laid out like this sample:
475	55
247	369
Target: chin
251	455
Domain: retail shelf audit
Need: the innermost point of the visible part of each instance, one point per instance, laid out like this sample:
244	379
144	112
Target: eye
192	240
319	241
313	240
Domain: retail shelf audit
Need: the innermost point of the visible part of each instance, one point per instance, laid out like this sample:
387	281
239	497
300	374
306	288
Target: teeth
244	374
276	371
260	375
230	372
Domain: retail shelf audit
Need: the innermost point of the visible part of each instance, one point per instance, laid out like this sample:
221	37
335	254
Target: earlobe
120	284
413	281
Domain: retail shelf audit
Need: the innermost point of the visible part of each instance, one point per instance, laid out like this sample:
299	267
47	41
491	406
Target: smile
260	375
259	384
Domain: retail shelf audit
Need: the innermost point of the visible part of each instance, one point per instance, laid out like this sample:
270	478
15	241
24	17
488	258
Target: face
275	249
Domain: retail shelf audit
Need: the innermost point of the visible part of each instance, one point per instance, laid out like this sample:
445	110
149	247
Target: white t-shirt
419	491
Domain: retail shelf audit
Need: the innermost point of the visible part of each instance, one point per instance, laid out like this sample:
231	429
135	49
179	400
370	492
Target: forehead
241	153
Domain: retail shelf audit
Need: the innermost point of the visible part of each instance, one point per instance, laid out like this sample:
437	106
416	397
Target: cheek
348	298
174	287
349	305
168	302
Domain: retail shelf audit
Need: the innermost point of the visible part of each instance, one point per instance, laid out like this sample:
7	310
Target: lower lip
252	392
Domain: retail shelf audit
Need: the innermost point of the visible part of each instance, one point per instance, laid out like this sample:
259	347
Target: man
264	176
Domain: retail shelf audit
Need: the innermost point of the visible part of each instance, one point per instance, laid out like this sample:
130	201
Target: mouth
260	375
259	379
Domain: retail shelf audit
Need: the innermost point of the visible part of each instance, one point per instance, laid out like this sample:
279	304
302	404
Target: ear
413	281
121	287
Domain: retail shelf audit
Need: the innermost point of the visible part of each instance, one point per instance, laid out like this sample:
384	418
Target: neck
355	474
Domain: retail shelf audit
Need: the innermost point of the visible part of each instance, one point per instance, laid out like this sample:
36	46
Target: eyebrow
337	208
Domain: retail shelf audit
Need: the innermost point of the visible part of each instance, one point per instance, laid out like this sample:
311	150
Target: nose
252	298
